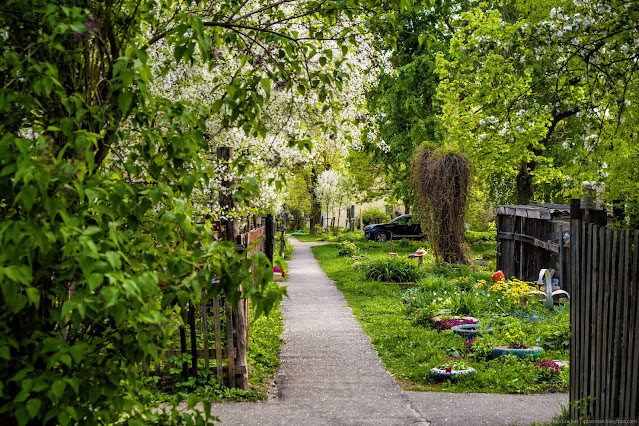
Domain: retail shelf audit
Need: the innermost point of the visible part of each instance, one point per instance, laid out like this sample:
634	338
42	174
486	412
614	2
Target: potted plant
451	367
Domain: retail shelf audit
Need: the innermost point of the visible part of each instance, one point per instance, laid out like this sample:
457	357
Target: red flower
449	369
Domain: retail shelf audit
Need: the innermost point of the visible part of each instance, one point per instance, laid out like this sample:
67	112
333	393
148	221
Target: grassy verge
397	320
265	345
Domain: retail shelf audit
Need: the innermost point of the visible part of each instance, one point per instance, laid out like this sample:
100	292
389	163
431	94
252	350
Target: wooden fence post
218	339
269	237
235	317
191	318
205	330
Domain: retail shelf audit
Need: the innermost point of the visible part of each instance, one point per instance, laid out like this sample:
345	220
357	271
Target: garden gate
604	319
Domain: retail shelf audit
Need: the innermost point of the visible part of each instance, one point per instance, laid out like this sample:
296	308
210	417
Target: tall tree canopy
402	108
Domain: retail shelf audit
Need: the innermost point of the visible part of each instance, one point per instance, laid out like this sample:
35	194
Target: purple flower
448	323
469	344
551	365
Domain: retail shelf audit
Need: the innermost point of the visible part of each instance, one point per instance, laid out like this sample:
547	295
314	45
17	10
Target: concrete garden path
331	375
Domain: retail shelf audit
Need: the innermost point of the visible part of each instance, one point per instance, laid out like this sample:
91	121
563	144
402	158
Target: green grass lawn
396	317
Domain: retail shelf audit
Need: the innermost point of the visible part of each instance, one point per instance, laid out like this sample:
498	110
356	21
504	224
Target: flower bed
411	328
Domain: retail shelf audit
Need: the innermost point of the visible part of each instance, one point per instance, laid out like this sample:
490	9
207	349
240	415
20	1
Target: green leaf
28	195
95	280
67	307
18	273
178	53
22	416
127	77
66	360
57	390
266	84
124	101
113	258
33	406
33	294
13	299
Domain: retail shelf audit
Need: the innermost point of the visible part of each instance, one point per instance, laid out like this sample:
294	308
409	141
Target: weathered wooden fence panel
604	358
229	331
530	238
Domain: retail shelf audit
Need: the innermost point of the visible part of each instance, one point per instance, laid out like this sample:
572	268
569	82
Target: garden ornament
498	276
545	279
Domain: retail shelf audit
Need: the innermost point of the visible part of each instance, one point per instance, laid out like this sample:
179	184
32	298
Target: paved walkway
331	375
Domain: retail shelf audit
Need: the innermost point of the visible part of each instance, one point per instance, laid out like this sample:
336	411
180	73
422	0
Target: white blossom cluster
289	119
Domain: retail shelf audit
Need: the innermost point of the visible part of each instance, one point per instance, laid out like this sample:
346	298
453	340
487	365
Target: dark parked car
398	228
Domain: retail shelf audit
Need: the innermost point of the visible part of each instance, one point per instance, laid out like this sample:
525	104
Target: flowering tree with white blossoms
550	99
334	191
300	132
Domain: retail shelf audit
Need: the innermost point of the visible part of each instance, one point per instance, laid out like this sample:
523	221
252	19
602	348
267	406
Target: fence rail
604	364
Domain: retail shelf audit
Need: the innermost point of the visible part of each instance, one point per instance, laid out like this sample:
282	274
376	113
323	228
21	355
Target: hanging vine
442	181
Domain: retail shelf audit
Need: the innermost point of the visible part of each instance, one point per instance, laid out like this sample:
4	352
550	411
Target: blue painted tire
535	352
469	331
439	374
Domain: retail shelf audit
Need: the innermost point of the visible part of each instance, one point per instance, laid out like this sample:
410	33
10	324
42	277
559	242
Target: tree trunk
524	183
316	208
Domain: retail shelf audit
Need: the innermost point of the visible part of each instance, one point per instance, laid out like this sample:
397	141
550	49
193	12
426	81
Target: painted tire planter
469	331
535	352
439	374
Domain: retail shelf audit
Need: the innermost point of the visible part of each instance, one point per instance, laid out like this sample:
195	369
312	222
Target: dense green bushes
375	215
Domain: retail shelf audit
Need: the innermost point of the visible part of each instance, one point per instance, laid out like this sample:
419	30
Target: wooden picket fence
214	352
604	318
224	347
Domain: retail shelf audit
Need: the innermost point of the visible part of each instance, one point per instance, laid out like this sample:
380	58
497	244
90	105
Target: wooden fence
224	347
604	319
531	238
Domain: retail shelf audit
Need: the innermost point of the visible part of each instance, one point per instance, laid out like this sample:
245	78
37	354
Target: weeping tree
442	181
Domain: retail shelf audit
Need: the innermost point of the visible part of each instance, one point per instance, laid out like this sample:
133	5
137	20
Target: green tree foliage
402	107
100	242
549	97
